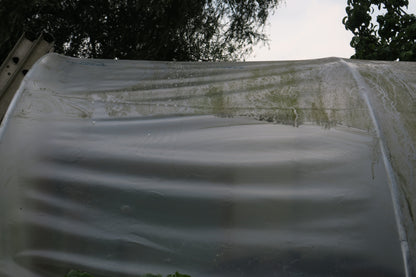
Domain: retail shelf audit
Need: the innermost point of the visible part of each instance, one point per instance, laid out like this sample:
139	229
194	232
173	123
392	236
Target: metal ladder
24	54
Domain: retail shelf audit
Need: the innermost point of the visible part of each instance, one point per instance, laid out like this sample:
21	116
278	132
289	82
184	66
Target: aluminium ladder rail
24	54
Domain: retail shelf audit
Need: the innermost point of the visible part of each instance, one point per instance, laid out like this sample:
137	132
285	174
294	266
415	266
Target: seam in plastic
364	90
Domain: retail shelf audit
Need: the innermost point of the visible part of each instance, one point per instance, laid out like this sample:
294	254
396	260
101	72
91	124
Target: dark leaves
393	38
133	29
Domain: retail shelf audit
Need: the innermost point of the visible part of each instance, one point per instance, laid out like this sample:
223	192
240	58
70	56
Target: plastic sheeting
122	168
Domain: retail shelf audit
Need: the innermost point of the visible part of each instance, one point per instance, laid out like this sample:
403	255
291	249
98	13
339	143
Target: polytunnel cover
123	168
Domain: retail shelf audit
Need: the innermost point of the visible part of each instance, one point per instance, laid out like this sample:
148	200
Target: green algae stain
275	99
285	105
319	115
218	103
285	101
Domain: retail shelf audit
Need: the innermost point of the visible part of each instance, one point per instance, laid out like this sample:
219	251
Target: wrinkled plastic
122	168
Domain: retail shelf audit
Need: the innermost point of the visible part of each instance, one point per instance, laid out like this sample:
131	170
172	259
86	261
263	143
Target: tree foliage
140	29
392	37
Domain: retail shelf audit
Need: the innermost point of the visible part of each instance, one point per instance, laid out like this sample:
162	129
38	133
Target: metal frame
23	55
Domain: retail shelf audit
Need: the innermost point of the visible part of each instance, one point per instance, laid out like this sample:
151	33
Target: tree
140	29
392	37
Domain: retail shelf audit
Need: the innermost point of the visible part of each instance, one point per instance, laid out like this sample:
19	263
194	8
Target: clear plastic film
122	168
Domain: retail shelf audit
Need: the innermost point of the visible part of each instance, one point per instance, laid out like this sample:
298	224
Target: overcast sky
308	29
